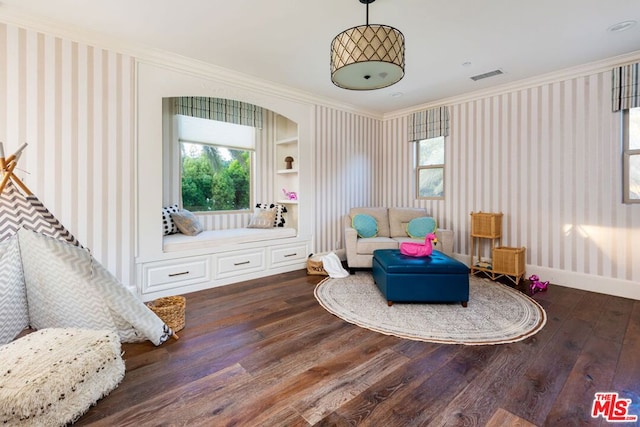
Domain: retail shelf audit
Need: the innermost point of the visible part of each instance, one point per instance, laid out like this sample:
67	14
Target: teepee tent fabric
14	314
64	285
67	288
18	210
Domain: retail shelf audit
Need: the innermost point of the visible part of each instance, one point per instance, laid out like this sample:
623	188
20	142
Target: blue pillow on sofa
365	225
418	228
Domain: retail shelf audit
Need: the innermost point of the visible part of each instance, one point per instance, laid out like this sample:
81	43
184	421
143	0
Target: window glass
431	182
631	155
215	164
431	151
634	129
430	168
634	177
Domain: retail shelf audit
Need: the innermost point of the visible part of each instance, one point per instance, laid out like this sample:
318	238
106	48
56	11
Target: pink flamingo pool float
419	249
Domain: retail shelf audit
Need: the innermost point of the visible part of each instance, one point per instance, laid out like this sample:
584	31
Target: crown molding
528	83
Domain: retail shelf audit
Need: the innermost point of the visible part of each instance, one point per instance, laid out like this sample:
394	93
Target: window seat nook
219	238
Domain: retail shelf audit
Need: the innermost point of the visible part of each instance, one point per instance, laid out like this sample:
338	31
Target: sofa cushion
380	214
365	225
366	246
400	217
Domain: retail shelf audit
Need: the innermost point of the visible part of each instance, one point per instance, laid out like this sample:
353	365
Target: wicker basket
485	224
315	266
171	310
508	260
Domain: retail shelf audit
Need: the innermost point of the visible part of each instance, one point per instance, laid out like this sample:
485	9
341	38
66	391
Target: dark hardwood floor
264	353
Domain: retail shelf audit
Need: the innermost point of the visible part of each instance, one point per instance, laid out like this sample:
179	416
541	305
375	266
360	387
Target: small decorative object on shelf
290	195
288	162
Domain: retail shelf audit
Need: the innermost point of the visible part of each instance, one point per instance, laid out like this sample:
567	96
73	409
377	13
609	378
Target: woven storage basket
315	267
508	260
171	310
485	224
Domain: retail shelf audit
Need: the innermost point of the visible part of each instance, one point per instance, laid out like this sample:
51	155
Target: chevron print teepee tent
48	280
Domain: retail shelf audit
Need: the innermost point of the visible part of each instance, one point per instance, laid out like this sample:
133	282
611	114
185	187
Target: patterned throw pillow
187	222
14	313
365	225
280	210
418	228
168	226
263	218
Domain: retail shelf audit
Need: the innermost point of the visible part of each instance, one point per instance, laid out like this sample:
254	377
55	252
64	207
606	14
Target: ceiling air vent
486	75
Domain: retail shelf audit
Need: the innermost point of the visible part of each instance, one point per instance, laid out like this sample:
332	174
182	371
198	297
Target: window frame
440	166
627	153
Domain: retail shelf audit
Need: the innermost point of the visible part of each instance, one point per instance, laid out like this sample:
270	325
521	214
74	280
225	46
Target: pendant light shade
367	57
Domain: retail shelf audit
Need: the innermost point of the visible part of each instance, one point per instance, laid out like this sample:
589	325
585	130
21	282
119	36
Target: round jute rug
496	313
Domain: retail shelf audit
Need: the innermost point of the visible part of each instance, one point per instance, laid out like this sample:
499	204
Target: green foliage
210	183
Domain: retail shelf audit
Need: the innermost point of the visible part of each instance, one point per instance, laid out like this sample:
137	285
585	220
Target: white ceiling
287	41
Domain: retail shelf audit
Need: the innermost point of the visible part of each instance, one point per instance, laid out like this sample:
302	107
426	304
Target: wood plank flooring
264	353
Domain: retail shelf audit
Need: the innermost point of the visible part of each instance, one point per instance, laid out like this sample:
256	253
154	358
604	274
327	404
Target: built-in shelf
288	202
283	171
285	141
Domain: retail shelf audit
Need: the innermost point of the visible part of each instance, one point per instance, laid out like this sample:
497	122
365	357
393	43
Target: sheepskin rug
53	376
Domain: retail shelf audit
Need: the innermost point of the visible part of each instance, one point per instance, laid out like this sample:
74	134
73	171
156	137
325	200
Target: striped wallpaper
548	157
74	105
345	171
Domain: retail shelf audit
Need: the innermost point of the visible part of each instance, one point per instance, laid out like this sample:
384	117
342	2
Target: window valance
625	92
223	110
429	124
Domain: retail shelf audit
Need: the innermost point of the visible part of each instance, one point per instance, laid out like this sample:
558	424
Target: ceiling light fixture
367	56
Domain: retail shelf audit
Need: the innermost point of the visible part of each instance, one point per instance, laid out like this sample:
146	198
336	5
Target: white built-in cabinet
161	273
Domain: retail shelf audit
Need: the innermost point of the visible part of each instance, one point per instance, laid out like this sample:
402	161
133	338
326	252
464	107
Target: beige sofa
392	230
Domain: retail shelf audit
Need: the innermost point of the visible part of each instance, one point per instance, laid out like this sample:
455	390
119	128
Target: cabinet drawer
240	263
288	254
169	274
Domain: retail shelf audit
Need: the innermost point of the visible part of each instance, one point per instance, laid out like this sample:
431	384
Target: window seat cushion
217	238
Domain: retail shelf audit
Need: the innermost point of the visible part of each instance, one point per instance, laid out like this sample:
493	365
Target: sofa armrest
351	242
445	241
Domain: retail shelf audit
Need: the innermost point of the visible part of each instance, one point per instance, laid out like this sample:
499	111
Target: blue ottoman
436	278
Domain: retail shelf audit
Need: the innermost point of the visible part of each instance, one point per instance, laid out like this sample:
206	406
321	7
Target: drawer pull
178	274
290	255
242	263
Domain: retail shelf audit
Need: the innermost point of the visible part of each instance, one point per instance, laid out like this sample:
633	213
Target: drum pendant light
367	56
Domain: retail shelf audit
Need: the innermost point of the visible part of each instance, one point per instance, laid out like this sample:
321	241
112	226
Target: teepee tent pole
8	165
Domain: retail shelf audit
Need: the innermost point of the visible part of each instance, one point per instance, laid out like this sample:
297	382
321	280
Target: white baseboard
585	282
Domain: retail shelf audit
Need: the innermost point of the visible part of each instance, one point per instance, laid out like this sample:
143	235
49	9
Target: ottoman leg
389	303
464	304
